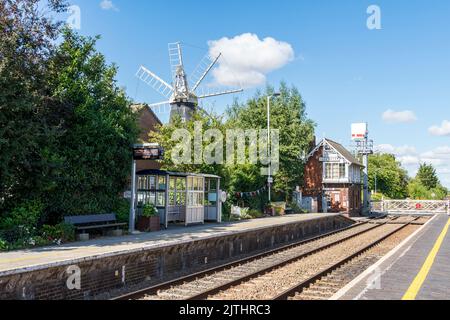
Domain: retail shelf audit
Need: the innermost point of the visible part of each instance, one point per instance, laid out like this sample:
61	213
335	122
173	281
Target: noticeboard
148	153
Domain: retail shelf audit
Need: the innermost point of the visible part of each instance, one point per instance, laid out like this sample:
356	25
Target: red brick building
147	122
332	179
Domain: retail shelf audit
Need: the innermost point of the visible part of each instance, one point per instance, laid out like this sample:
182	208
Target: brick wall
313	175
147	122
106	277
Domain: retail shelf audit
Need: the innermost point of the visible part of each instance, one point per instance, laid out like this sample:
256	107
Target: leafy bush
3	245
122	211
245	214
255	214
295	208
59	234
149	210
26	215
21	223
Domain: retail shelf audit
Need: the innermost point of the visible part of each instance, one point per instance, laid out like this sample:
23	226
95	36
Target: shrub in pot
149	220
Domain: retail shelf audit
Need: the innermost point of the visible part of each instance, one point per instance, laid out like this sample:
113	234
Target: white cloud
407	155
411	159
439	157
392	116
108	5
400	151
247	59
443	130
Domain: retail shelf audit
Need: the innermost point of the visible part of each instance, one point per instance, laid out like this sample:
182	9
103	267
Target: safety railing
412	206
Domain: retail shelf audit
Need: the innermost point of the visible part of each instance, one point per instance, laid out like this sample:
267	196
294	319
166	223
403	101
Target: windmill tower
183	95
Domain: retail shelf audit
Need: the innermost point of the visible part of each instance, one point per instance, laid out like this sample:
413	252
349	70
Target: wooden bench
93	222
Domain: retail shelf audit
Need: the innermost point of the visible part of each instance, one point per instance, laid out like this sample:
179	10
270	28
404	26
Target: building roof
139	107
339	149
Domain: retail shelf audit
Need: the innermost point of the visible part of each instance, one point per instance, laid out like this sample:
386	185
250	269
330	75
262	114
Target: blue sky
396	78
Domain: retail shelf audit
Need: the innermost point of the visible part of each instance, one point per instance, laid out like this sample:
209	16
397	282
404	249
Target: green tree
163	135
426	185
94	151
417	191
28	127
296	132
288	114
388	175
427	176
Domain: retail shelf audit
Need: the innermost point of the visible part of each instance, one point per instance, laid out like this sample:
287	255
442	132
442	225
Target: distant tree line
387	178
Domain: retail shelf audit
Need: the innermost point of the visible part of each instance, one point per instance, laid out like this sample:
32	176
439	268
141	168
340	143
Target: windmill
183	95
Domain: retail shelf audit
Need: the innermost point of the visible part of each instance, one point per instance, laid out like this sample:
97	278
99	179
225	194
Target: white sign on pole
127	194
359	131
223	196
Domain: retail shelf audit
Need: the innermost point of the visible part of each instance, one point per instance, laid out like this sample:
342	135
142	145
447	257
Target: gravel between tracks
275	282
191	288
326	287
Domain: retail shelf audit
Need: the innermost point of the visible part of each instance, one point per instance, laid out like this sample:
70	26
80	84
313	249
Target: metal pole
366	177
219	202
269	180
133	197
375	182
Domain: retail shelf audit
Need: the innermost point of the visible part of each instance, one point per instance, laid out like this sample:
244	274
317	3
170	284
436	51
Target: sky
383	62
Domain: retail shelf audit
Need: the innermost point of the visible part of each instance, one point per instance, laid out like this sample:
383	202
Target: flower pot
148	224
269	211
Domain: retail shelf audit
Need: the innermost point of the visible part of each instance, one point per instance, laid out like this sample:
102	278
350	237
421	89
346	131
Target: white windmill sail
183	95
175	58
155	82
202	70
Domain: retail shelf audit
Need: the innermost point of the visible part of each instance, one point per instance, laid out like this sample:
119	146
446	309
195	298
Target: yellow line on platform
417	284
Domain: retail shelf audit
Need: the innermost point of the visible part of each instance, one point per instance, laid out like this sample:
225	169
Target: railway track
230	266
215	282
329	284
284	282
326	282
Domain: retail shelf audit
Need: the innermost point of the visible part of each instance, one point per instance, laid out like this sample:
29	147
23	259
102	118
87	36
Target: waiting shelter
187	198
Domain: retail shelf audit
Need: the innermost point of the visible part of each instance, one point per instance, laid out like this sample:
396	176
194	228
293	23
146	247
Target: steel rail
205	294
305	284
171	283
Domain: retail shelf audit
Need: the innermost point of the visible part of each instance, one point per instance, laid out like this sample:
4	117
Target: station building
185	198
181	198
332	180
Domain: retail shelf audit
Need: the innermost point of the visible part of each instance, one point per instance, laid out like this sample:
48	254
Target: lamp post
376	182
269	151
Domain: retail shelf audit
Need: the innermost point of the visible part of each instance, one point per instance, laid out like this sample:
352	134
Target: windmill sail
202	70
183	95
155	82
175	58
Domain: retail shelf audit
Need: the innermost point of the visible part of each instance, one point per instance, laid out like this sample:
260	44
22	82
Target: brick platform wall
103	278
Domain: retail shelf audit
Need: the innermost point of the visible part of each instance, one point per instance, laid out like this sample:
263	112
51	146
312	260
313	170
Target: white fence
412	206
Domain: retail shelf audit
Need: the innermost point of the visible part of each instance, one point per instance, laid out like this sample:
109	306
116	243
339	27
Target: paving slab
392	276
39	258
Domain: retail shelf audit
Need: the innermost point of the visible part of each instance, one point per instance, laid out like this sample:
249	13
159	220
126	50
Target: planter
269	211
148	224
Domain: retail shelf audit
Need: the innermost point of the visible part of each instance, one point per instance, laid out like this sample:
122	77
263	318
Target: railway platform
107	264
28	260
418	269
